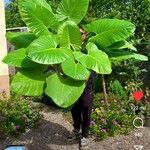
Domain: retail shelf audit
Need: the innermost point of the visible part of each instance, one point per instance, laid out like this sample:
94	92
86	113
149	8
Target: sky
6	1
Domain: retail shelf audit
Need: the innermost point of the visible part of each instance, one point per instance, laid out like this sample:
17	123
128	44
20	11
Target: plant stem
104	90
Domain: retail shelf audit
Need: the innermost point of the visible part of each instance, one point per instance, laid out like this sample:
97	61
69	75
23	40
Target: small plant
113	119
133	85
17	115
117	88
126	78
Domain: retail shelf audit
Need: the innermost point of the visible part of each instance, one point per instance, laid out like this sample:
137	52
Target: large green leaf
44	51
20	39
70	36
120	55
64	91
109	31
73	10
28	82
43	3
96	59
110	37
103	25
75	70
122	45
38	16
18	58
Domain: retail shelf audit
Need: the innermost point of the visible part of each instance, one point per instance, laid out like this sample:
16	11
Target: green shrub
17	115
112	119
118	89
130	76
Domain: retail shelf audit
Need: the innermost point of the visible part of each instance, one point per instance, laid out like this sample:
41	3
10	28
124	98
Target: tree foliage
53	59
12	15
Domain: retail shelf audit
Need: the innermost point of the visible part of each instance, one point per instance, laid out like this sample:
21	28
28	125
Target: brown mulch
54	128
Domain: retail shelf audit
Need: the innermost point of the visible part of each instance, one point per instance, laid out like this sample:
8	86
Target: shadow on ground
45	137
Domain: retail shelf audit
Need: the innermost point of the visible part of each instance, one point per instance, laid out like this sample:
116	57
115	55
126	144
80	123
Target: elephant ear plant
50	57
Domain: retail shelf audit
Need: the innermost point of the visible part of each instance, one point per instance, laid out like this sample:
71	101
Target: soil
54	128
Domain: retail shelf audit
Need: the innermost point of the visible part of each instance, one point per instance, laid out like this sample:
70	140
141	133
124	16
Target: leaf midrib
46	50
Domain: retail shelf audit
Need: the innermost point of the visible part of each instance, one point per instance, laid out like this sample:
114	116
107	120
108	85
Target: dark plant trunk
104	89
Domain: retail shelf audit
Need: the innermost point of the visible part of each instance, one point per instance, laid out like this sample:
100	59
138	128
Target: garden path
53	129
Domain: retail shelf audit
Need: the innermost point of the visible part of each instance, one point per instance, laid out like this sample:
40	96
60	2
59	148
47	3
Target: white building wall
4	73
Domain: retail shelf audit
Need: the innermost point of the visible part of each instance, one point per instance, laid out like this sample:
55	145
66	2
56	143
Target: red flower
138	95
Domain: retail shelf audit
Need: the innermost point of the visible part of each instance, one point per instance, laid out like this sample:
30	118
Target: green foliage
129	74
20	39
44	51
73	10
63	91
105	30
29	82
54	4
125	54
113	119
92	59
116	88
137	11
51	59
70	36
18	58
39	17
133	85
75	70
17	115
12	15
